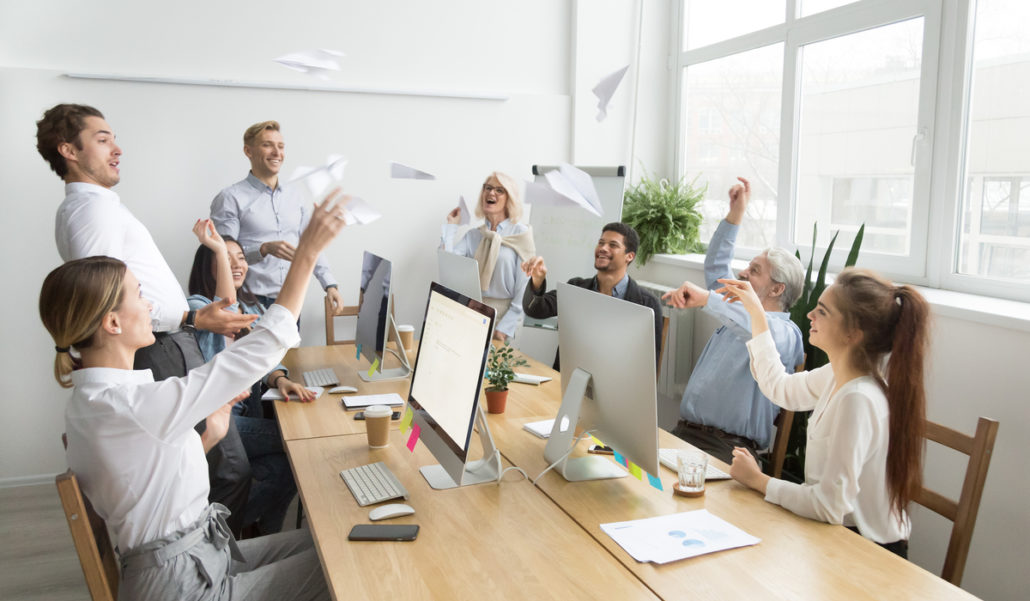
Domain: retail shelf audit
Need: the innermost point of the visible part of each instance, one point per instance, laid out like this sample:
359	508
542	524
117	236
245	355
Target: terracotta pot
496	400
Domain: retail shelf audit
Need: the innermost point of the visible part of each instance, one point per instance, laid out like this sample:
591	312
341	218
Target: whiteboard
566	236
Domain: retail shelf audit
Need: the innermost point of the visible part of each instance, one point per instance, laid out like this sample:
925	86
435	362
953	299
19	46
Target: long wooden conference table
516	540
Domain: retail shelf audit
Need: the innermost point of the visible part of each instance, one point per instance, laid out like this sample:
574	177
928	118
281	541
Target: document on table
530	379
273	394
543	428
678	536
365	400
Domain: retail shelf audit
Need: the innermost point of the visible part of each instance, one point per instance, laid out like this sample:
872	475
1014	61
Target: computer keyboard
667	457
373	483
321	377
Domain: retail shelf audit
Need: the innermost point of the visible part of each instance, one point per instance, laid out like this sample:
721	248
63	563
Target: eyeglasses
487	189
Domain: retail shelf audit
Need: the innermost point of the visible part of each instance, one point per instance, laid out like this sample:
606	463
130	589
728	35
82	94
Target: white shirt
93	221
131	440
846	457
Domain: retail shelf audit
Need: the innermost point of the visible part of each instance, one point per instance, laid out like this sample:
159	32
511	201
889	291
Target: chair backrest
89	533
783	422
963	512
330	324
661	354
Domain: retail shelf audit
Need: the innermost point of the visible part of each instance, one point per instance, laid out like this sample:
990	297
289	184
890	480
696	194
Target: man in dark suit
615	250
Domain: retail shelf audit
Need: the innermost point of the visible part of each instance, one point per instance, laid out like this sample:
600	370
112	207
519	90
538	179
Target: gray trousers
172	355
713	441
197	564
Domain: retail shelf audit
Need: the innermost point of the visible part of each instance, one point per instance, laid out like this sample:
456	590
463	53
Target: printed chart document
316	63
530	379
678	536
273	394
543	427
399	171
566	186
605	89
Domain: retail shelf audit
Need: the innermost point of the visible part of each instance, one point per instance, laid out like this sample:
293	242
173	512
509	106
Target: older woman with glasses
500	246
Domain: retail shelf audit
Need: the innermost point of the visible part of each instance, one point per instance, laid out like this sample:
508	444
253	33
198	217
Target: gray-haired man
722	406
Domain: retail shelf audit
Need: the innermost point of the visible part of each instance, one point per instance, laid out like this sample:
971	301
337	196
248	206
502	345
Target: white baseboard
27	480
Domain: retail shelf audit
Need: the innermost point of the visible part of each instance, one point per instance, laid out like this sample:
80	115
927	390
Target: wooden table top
491	541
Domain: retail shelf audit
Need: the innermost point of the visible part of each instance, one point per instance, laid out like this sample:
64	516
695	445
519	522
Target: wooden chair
665	335
89	533
330	325
778	452
963	512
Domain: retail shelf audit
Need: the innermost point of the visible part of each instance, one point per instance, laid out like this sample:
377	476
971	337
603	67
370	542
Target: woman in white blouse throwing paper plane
865	436
132	444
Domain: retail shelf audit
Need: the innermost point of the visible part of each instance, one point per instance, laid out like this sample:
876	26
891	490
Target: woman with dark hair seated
219	271
132	444
865	436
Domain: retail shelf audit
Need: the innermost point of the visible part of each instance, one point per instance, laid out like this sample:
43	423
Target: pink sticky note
413	439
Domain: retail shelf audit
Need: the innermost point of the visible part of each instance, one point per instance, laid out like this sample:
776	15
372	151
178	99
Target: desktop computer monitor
375	322
608	383
460	274
445	387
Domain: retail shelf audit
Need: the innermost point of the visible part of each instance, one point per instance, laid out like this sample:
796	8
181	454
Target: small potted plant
500	372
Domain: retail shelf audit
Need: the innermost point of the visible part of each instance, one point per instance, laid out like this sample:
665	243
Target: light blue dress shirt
211	343
253	213
508	281
721	391
619	290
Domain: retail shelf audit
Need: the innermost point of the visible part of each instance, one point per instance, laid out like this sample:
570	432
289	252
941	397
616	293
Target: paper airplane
359	212
399	171
319	179
605	89
466	215
316	63
564	187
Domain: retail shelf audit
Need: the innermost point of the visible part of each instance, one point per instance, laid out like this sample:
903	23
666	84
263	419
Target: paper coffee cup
377	425
407	334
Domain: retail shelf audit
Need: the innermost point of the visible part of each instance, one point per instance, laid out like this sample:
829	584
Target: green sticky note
636	471
406	420
372	369
596	441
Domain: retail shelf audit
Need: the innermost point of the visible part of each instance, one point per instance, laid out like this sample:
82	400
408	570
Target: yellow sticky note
372	370
596	441
406	420
636	471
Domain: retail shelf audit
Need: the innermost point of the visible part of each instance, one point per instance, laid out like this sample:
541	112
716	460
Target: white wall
974	369
183	143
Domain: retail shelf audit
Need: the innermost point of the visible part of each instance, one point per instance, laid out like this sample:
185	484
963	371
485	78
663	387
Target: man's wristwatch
191	321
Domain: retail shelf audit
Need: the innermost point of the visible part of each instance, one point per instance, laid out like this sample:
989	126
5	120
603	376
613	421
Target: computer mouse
342	389
392	510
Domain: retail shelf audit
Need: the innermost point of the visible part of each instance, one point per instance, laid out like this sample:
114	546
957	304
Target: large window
885	113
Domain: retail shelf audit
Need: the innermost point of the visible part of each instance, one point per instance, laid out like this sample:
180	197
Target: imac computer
460	274
445	386
608	383
375	322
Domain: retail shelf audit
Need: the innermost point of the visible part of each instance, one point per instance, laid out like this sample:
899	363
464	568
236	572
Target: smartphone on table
395	532
360	415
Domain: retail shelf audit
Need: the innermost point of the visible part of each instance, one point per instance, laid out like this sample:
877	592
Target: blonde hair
72	304
255	130
513	208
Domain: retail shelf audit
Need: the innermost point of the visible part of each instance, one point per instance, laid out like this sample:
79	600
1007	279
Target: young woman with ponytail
865	436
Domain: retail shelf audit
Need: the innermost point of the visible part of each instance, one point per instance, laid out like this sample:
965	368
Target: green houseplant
794	462
665	214
500	372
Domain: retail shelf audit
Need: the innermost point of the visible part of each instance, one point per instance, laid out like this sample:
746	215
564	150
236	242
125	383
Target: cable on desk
508	469
563	457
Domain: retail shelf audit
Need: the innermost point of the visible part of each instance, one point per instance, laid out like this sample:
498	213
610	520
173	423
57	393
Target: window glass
810	7
708	21
858	120
732	128
994	239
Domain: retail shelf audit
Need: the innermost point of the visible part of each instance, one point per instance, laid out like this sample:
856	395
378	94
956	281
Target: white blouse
131	440
846	457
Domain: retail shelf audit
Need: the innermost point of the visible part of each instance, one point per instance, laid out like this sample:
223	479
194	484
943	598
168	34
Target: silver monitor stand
559	445
487	469
394	373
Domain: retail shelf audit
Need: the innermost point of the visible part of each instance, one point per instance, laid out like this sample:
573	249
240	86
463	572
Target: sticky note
636	471
372	369
620	459
655	481
406	420
413	439
359	352
596	441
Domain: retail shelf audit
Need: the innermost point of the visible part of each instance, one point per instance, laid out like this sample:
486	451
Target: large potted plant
665	214
794	461
500	372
